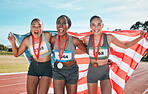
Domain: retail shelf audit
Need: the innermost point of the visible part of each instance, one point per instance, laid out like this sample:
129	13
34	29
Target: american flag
125	61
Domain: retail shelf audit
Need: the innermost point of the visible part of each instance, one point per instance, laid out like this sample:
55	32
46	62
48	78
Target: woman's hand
109	62
11	38
142	33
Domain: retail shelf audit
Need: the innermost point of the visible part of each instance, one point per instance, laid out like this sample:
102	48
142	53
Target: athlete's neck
96	36
63	37
36	39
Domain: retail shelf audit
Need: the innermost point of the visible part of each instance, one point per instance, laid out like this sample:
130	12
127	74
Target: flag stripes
125	61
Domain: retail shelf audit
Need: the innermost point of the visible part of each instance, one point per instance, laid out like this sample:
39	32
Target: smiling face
36	28
96	25
62	26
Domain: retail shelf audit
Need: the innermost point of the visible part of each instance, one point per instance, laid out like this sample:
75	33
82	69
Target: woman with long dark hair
98	46
40	70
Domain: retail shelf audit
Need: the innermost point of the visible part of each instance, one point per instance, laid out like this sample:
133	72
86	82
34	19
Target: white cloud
72	5
116	14
5	30
124	13
80	26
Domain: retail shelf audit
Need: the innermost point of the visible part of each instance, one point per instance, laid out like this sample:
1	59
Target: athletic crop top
103	51
68	53
45	48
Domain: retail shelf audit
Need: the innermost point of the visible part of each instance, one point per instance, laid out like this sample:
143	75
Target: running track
16	83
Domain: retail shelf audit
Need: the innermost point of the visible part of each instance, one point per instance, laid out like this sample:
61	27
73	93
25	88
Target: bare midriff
69	63
99	62
43	59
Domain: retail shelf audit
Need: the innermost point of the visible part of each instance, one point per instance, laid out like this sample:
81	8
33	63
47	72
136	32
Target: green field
5	53
9	63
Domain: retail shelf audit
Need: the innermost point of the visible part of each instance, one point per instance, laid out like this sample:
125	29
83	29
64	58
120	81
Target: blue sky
16	15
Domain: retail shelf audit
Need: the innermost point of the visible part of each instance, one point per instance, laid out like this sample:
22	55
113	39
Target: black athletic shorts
40	68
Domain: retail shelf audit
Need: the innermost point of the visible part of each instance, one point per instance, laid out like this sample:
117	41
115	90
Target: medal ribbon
60	54
96	56
37	55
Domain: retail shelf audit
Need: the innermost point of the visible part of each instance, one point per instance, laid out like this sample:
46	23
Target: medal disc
60	65
95	64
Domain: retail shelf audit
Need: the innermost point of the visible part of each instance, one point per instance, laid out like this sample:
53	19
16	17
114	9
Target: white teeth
61	30
96	30
36	32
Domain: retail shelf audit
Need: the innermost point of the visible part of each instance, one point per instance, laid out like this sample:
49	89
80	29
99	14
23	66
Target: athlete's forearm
133	42
14	50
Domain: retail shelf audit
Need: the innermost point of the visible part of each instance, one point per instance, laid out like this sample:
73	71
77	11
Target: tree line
140	26
2	47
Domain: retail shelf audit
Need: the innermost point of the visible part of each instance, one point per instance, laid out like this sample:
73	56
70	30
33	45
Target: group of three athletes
65	70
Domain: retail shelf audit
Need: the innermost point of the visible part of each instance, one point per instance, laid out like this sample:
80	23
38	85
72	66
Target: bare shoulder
110	38
86	40
53	39
27	38
47	35
75	39
26	41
